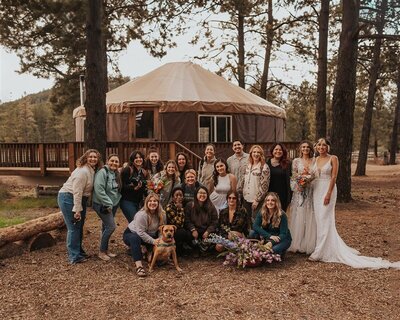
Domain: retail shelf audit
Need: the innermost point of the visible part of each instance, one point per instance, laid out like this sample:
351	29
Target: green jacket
266	232
106	189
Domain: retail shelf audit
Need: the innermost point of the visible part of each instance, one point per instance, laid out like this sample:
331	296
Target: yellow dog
165	247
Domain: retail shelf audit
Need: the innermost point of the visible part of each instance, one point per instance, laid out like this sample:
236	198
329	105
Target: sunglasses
232	198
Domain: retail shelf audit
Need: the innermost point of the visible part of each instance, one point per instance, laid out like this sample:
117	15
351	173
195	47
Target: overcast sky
133	62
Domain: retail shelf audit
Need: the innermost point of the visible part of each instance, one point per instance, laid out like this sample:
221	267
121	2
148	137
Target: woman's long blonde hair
159	212
262	160
273	217
165	174
84	159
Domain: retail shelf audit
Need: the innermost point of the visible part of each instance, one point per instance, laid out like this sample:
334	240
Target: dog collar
166	244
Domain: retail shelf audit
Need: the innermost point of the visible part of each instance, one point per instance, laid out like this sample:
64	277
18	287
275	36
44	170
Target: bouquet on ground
300	182
244	252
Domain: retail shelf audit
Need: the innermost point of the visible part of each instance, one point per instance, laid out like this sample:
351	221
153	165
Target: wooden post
171	150
121	154
71	157
42	159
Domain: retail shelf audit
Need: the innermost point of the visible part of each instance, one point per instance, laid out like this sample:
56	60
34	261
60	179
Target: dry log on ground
31	228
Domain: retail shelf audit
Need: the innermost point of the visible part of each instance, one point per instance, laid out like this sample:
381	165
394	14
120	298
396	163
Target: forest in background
33	119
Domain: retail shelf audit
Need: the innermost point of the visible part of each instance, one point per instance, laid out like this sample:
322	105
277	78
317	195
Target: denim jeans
75	230
134	241
108	225
129	209
279	247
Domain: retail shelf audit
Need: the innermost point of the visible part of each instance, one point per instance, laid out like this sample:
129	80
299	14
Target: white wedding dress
302	221
329	246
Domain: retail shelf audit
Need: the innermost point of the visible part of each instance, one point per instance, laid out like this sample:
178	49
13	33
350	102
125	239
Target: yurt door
143	123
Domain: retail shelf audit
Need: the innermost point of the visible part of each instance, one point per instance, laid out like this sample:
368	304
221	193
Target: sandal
140	272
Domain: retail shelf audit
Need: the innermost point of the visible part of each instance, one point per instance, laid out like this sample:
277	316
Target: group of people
243	196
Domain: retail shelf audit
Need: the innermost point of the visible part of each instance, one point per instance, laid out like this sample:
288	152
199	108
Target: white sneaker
111	255
103	256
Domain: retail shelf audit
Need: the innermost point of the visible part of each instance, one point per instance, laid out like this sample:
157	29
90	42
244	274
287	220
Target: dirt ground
42	285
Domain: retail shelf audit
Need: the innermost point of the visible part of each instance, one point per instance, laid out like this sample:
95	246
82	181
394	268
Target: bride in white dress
302	222
329	246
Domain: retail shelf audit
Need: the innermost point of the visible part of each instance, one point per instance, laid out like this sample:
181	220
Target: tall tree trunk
320	111
241	79
344	94
396	122
369	107
96	78
268	49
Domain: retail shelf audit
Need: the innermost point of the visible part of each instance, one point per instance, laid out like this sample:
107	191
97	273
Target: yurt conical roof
186	87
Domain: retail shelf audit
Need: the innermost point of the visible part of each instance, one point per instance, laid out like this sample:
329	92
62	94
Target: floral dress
302	220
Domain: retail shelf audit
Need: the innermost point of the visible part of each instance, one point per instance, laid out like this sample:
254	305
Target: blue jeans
134	241
279	247
108	225
75	230
129	209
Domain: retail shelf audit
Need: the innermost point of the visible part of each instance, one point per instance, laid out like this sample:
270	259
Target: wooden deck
58	159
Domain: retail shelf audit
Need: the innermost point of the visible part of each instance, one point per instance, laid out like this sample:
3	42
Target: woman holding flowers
233	221
134	185
72	200
201	216
280	168
271	225
165	181
302	223
143	230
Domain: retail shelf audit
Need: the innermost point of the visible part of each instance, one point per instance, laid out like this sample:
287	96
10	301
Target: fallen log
31	228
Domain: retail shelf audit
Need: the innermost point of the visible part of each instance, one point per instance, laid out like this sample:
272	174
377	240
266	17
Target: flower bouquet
300	183
244	252
156	185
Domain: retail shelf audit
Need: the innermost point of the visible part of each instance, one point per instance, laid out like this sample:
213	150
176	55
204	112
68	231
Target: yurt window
143	123
215	128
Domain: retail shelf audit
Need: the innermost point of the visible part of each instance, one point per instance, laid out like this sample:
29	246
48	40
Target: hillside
33	119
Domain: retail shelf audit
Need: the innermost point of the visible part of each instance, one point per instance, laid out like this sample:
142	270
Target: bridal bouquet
300	183
244	252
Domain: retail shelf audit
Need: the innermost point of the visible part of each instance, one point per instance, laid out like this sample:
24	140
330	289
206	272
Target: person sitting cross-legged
271	225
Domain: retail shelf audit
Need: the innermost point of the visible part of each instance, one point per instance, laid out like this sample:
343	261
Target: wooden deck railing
59	159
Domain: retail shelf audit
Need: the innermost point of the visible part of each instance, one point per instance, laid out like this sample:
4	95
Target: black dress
280	183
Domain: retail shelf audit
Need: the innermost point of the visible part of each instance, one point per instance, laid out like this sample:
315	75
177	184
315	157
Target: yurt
183	102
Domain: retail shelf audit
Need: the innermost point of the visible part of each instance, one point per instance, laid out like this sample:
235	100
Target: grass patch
6	222
4	193
29	203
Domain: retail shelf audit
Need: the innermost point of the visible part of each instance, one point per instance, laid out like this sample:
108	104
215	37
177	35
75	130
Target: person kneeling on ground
234	221
271	225
143	230
201	218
